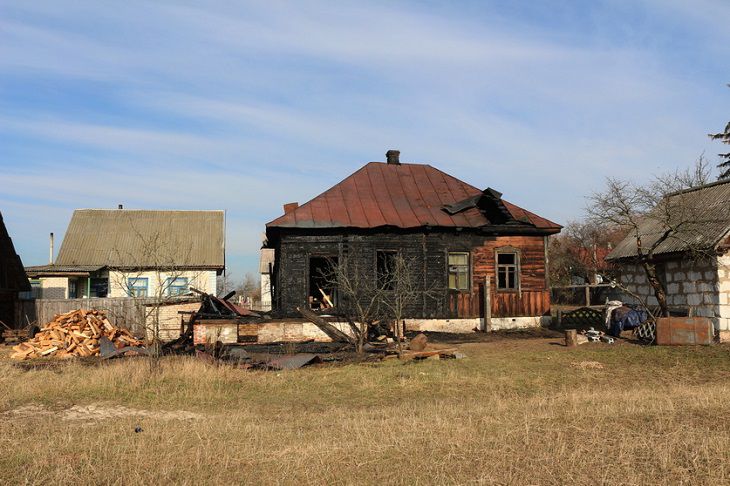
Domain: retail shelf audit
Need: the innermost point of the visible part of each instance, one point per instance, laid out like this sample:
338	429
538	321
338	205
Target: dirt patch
98	412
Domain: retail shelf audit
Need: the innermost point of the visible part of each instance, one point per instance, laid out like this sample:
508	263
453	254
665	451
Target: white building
134	253
692	259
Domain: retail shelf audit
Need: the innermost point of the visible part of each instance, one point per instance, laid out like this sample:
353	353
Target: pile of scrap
215	310
74	334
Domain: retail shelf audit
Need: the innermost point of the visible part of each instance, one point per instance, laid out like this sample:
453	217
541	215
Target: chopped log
418	343
571	338
74	334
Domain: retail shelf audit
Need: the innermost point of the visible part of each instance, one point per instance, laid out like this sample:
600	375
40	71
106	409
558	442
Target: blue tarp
627	317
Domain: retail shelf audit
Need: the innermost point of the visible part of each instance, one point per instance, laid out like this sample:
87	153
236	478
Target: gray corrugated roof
131	238
49	270
707	212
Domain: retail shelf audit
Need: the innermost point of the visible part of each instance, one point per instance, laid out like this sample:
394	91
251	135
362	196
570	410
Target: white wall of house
53	288
723	287
265	291
200	279
703	285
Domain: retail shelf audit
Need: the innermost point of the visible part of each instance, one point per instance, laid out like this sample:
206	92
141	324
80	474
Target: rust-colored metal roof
398	195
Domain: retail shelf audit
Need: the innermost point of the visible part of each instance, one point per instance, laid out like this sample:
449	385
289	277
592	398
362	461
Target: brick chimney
393	157
288	208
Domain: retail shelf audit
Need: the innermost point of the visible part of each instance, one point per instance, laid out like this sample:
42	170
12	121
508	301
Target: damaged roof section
408	196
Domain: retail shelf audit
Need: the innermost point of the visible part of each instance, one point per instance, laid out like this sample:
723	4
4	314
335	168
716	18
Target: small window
176	286
72	288
36	289
507	274
459	271
99	287
386	268
137	287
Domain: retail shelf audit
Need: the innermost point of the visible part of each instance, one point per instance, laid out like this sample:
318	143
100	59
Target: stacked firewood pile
74	334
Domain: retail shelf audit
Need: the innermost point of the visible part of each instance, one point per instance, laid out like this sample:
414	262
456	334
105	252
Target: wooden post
588	296
571	338
487	305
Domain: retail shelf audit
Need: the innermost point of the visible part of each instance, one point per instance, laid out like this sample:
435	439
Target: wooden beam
487	305
330	330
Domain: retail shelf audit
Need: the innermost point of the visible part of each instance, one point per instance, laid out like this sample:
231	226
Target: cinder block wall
54	288
169	319
723	285
693	283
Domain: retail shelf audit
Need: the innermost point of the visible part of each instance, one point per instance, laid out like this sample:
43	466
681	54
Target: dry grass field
514	412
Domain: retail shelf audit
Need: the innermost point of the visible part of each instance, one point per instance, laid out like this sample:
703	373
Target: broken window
322	291
176	285
507	271
386	268
459	270
137	287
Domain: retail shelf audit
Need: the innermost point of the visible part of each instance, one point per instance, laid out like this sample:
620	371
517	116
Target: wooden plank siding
429	251
532	298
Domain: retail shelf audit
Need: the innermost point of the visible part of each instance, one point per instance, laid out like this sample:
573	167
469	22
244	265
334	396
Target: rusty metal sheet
678	331
403	196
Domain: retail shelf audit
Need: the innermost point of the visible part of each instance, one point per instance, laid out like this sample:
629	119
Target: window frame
516	266
168	286
131	288
378	277
468	271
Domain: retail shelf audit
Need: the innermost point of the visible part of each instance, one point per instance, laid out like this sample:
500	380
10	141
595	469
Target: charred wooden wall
429	251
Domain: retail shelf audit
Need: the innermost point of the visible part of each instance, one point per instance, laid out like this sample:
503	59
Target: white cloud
247	106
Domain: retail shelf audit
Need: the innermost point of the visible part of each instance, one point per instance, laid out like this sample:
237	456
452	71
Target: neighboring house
456	236
692	263
12	278
134	253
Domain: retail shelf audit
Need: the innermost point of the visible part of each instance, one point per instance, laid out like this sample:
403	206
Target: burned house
12	279
134	253
481	260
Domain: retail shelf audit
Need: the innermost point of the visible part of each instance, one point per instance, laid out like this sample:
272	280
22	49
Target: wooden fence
122	311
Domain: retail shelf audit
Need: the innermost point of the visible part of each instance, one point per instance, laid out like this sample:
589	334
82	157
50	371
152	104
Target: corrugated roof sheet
48	270
399	195
131	238
705	211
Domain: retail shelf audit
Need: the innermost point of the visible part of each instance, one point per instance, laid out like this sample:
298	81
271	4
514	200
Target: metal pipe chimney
50	252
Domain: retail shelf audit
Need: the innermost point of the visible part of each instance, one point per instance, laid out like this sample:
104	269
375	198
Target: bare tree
652	214
402	289
580	250
365	299
154	258
724	137
360	295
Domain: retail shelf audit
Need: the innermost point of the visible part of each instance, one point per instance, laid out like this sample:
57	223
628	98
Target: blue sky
245	106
